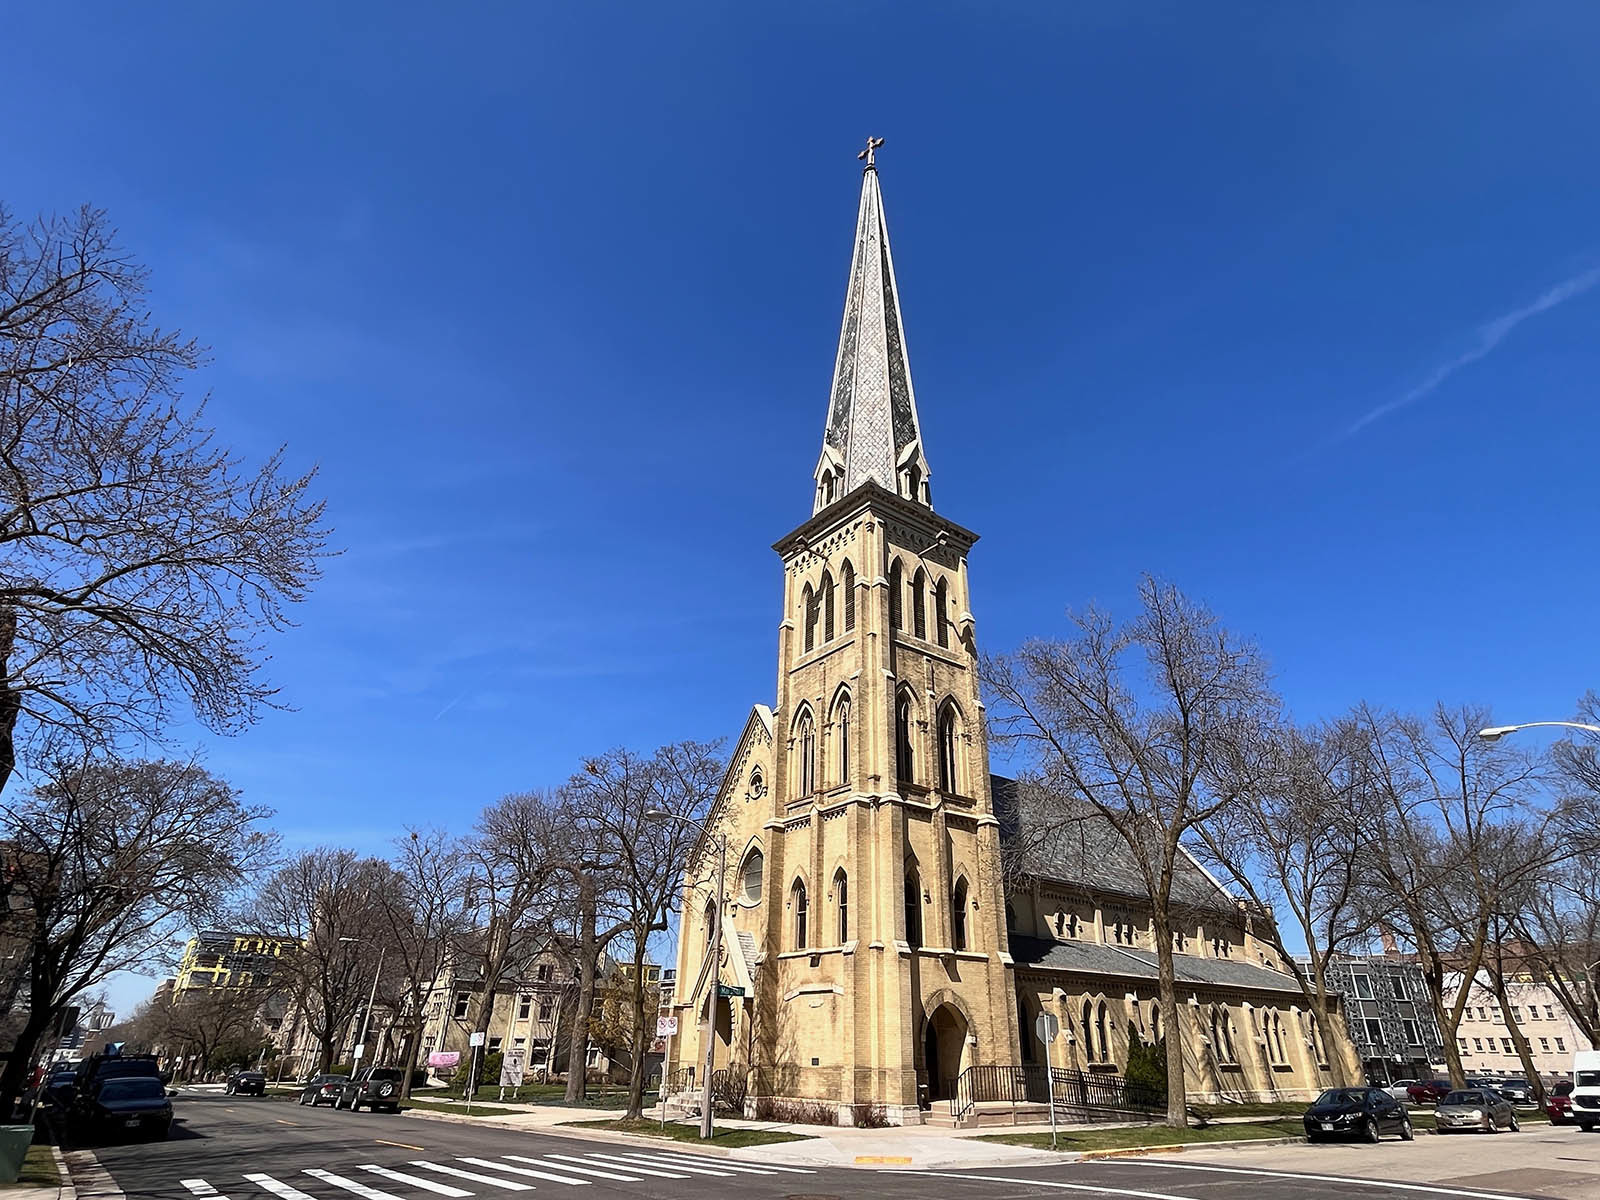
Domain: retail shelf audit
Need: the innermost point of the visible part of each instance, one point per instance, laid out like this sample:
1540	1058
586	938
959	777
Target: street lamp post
715	949
1495	732
372	996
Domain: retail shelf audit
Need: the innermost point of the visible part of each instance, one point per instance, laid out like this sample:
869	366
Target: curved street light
661	814
1495	732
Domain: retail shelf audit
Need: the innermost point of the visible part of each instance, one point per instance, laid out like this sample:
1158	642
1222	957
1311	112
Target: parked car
246	1083
58	1087
121	1105
323	1089
1515	1089
1363	1112
1558	1103
376	1087
1398	1088
1475	1108
1586	1089
1428	1091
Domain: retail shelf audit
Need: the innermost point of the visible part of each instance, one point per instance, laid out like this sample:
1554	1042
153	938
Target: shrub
869	1116
798	1112
1145	1080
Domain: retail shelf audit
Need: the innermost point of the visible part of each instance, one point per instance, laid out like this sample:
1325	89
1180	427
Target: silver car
1475	1108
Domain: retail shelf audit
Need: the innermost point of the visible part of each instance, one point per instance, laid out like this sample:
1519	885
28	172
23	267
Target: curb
66	1190
1180	1147
587	1135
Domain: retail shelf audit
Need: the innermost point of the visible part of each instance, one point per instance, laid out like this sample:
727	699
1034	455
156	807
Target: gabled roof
1092	958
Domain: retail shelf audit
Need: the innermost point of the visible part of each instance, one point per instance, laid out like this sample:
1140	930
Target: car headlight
1477	1114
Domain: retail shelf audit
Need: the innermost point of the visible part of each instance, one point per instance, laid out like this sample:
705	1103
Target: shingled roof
1092	958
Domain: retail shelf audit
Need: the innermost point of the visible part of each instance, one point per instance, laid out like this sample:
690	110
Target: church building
874	948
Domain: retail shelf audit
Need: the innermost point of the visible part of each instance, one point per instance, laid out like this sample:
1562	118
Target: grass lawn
1150	1135
691	1133
38	1168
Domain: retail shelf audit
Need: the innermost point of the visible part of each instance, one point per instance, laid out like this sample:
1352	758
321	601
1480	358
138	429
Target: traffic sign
1047	1027
666	1027
475	1040
727	990
358	1051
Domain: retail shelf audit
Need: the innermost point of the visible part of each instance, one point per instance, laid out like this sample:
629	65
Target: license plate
1327	1126
131	1122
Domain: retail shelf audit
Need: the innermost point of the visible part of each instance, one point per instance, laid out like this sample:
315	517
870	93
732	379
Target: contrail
1490	335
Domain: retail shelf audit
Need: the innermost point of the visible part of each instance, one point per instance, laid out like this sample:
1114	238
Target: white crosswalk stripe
201	1188
349	1185
278	1188
673	1158
427	1185
636	1170
510	1185
722	1164
572	1165
546	1174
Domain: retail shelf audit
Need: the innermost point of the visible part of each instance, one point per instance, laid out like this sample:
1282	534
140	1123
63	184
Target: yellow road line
884	1160
402	1145
281	1121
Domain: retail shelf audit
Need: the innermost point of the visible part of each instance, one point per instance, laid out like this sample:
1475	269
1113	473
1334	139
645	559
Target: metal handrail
1077	1095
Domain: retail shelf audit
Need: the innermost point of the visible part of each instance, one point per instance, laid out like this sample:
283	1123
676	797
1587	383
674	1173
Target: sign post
475	1041
1047	1027
666	1029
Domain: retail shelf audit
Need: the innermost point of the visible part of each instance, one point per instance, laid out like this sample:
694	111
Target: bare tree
107	862
201	1021
1157	756
326	901
141	563
1298	844
422	907
642	855
1455	832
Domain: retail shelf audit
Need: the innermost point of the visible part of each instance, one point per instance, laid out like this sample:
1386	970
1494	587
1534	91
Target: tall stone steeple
872	431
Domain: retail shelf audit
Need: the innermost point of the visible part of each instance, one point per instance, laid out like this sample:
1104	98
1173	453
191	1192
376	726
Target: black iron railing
676	1082
1077	1095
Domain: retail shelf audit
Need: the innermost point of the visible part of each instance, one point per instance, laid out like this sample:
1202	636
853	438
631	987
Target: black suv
246	1083
376	1087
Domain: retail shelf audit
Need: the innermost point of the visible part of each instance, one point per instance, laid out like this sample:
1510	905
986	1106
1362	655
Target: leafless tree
641	857
198	1022
1558	929
326	901
107	862
141	563
1298	844
1160	725
1455	833
422	905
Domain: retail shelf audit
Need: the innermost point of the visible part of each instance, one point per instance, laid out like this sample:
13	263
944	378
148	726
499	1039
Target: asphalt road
228	1148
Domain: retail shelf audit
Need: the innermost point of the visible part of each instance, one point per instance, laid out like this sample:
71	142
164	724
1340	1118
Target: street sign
727	990
511	1067
1047	1027
358	1051
475	1040
666	1027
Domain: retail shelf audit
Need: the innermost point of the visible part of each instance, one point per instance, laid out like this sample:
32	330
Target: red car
1428	1091
1558	1104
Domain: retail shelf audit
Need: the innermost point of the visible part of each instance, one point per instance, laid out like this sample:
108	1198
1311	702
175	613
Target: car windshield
334	1079
145	1088
1588	1079
1342	1096
1564	1088
1464	1098
251	1075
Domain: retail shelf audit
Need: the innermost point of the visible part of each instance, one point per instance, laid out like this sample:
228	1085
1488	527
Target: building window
1463	1043
543	973
547	1010
750	876
913	911
797	902
1533	1012
896	584
958	915
841	902
808	608
1363	986
847	582
1516	1014
1506	1043
519	1042
841	723
806	743
1544	1045
1561	1045
941	612
463	1002
1398	983
902	738
1549	1013
1179	942
1374	1030
1413	1034
947	750
1102	1042
1477	1044
827	607
919	616
524	1007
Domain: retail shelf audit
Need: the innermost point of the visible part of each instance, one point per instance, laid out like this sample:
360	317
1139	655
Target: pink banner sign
444	1058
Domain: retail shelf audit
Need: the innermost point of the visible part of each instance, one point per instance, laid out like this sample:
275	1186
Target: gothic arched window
750	876
1088	1032
1103	1042
948	781
941	612
806	748
827	607
841	903
896	585
797	902
913	910
902	738
847	582
711	920
841	731
919	615
808	611
958	915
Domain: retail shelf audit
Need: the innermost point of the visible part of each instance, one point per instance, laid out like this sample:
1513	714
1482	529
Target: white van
1586	1089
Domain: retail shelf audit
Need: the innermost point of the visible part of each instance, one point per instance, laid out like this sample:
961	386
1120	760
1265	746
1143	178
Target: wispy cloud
1490	335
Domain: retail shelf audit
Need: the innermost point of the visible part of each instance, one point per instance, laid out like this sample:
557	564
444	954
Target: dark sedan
247	1083
58	1088
1358	1112
323	1089
133	1105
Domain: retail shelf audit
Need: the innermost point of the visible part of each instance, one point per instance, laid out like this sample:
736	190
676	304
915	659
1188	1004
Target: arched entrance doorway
944	1050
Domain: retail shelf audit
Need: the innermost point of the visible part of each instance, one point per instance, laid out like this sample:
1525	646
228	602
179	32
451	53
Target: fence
1077	1095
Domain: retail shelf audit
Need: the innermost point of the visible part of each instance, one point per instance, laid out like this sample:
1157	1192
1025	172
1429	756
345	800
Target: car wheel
1369	1131
1515	1126
1406	1132
1586	1126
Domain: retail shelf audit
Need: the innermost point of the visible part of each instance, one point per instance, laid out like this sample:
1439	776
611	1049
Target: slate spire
872	430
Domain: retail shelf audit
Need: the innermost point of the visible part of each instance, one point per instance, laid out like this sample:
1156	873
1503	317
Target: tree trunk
636	998
15	1075
588	966
413	1051
1524	1051
1177	1084
10	697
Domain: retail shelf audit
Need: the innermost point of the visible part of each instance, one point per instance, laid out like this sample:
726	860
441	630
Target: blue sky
1293	306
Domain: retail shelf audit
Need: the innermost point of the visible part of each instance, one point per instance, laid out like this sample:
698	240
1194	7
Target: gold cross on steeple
869	154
